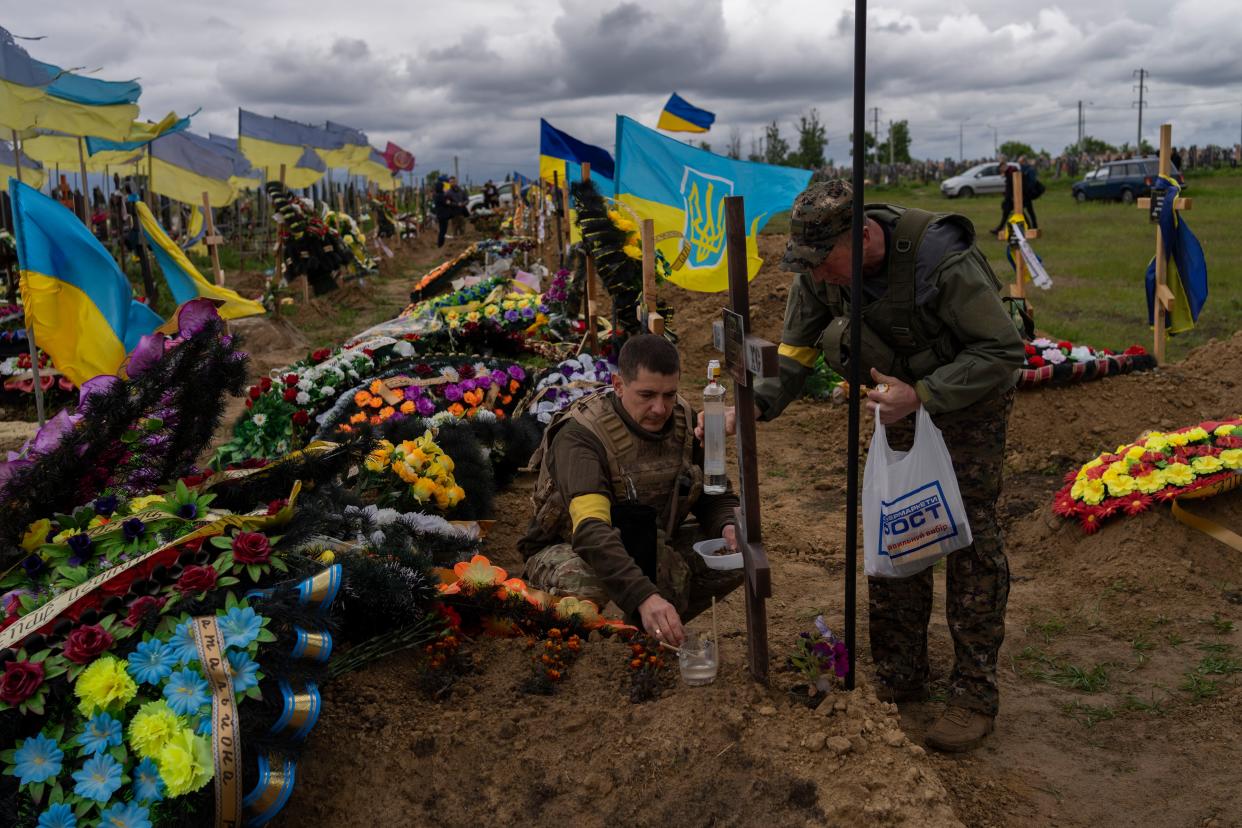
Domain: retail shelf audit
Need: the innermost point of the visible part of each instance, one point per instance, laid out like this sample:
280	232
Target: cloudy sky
471	78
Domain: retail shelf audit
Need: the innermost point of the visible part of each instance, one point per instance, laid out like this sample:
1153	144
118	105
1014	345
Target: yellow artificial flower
407	448
490	310
1180	438
441	497
140	503
1179	474
152	727
456	494
1224	431
105	684
633	251
327	557
1197	434
1122	484
1079	485
378	460
447	462
1114	469
36	534
186	763
1135	453
1158	443
1206	465
423	489
473	316
1231	458
1151	482
1093	492
405	472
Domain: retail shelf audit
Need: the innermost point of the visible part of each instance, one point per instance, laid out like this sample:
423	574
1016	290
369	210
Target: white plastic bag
912	508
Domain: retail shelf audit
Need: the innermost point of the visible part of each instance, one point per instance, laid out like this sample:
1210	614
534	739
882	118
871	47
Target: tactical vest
656	473
895	340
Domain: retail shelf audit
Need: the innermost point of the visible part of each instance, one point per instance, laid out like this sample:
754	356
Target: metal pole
17	158
855	379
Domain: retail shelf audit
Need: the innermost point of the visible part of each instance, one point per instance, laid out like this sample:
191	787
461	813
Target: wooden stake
86	210
647	315
556	185
212	240
1164	296
592	325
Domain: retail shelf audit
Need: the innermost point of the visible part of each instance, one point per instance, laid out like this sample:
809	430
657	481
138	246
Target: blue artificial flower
105	505
240	626
151	662
186	692
189	511
58	816
33	565
203	726
528	312
245	671
101	732
133	529
148	787
37	759
80	545
511	315
99	778
182	645
125	815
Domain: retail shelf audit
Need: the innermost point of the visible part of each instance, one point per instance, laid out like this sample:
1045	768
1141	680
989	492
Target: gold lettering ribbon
225	727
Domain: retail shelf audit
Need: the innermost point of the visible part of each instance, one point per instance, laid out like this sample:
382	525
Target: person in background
442	208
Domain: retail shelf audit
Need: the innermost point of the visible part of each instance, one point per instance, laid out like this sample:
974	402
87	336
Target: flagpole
86	210
17	158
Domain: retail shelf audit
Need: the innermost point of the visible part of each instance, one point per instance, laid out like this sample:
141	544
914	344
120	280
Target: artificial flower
1122	484
196	579
186	691
1093	491
151	662
59	815
125	815
22	679
245	670
185	763
1179	474
104	685
98	779
85	643
182	644
1206	464
240	626
100	732
1151	482
251	548
148	787
151	728
37	759
1231	458
36	534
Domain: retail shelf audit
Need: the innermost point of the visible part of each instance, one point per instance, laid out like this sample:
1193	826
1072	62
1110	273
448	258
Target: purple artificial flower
188	511
194	316
517	373
412	392
552	394
105	505
468	385
133	529
499	377
11	601
33	565
528	312
452	392
425	406
93	386
155	441
149	352
568	370
543	308
80	544
12	466
511	315
841	659
53	430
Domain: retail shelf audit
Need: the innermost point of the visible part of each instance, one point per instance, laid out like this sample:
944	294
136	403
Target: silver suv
981	178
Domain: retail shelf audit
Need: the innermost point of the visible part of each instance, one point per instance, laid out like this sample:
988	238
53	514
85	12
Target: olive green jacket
957	307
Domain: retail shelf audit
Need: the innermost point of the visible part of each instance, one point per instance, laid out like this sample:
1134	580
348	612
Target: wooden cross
212	240
1018	290
1164	296
747	354
647	314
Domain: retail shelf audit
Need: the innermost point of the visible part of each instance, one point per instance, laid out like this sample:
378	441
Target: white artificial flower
404	349
304	384
327	391
302	398
1053	356
1043	343
259	419
1081	353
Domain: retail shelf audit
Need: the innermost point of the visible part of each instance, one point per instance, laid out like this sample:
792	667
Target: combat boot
960	729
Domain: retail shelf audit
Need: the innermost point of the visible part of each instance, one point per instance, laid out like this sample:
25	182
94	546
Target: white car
982	178
475	203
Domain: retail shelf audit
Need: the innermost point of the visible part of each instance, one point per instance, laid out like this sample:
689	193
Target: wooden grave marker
212	240
746	354
1153	206
592	337
647	314
1018	289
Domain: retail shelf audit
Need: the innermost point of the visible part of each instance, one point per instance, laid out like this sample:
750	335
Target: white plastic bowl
707	551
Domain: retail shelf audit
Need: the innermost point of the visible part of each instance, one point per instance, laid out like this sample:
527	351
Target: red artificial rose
22	680
320	355
1030	349
265	383
291	379
251	548
140	607
1036	362
1066	345
1135	350
196	579
276	505
255	392
85	643
249	403
291	394
300	418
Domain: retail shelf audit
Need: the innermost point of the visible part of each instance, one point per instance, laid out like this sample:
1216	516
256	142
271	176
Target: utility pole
891	153
961	140
875	131
1079	143
1141	87
454	166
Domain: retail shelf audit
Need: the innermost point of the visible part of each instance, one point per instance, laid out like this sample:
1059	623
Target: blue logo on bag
915	520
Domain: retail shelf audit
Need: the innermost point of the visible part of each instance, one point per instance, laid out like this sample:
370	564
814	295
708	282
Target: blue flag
680	116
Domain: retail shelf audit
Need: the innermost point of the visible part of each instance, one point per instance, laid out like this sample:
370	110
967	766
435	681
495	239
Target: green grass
1220	624
1097	254
1199	686
1088	715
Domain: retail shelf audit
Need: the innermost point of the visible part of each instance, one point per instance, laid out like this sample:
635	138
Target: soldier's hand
661	620
729	533
895	398
730	423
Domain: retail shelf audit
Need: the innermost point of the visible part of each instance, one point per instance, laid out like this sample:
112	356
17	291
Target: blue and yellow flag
34	94
184	166
355	149
244	176
52	148
32	173
83	312
1189	286
682	189
680	116
560	152
184	280
140	134
375	169
269	142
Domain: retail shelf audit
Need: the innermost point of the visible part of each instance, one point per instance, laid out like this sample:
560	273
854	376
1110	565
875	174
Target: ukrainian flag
375	169
682	189
37	94
355	149
79	303
53	148
680	116
184	280
561	152
244	176
184	166
140	134
32	173
269	142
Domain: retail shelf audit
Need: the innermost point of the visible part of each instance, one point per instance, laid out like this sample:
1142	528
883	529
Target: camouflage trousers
683	579
977	576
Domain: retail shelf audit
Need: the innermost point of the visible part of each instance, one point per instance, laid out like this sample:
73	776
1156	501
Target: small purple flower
105	505
80	544
133	529
149	352
194	316
33	565
155	441
412	392
188	511
425	406
543	308
511	315
518	373
568	370
528	312
468	385
499	377
452	392
552	394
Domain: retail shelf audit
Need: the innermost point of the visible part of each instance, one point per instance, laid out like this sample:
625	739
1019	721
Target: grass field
1097	254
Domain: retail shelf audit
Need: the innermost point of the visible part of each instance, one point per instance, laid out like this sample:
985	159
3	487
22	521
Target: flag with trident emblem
682	189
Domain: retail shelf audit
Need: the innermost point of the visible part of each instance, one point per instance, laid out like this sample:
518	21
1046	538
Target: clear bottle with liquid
714	478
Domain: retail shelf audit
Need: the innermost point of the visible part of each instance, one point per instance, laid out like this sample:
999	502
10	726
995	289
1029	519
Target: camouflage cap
821	214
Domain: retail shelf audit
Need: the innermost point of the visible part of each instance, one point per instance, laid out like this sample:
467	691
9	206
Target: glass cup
697	659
